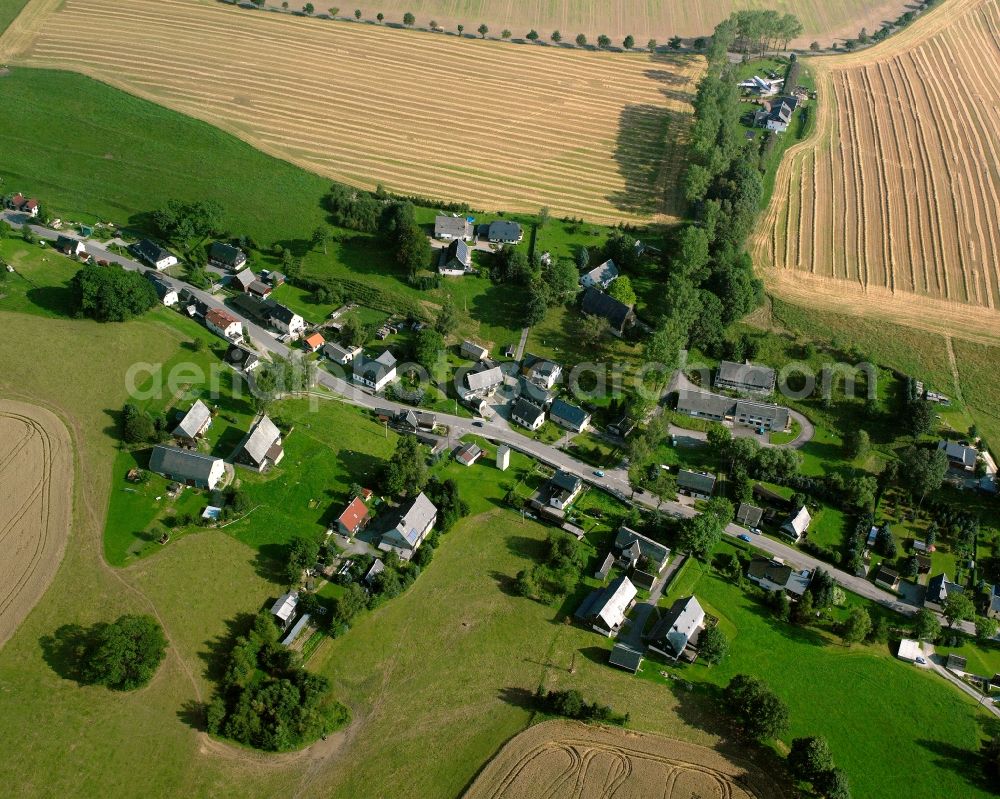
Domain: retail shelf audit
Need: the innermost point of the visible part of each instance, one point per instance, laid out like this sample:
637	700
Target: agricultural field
36	475
891	207
591	134
555	759
640	18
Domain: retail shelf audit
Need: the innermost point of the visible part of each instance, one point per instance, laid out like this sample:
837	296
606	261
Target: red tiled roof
31	204
220	318
315	340
354	515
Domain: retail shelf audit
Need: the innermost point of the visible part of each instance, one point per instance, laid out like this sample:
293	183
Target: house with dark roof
634	550
241	359
540	396
154	255
468	454
564	488
455	259
747	413
354	518
448	227
796	524
187	466
570	416
259	289
703	405
748	515
411	530
473	351
695	484
620	316
375	373
283	609
284	319
226	256
527	414
503	231
939	588
600	276
253	307
540	371
776	115
745	377
168	295
763	415
678	628
960	457
194	423
262	447
886	578
625	657
604	609
67	245
775	575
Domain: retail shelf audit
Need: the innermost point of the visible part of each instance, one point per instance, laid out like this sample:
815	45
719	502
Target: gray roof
748	515
280	312
241	357
798	521
602	274
696	481
605	568
151	251
477	381
776	414
416	518
678	625
194	420
702	402
608	604
181	463
456	254
651	549
533	392
528	411
468	452
161	286
375	370
225	253
598	303
386	358
260	440
455	226
959	453
625	657
473	350
565	481
750	376
504	230
336	352
570	413
939	587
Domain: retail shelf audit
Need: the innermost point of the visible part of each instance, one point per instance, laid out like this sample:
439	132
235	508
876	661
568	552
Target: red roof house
354	518
314	341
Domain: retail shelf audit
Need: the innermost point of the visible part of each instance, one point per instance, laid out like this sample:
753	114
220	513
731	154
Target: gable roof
775	415
473	350
598	303
571	413
182	463
468	453
244	278
160	286
565	481
315	340
447	225
625	657
696	481
251	306
241	357
225	253
886	575
374	369
151	251
284	608
959	453
220	317
337	352
354	515
770	570
679	624
504	230
612	605
194	420
459	251
603	274
526	411
627	538
485	378
748	515
416	518
749	375
278	311
262	437
939	587
798	521
703	402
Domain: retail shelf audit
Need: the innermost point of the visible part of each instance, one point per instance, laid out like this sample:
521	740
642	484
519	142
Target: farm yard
891	207
590	134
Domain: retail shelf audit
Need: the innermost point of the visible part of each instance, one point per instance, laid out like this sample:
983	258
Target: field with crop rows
589	134
894	202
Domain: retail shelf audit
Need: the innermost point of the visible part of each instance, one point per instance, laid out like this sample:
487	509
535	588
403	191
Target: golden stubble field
892	206
499	126
36	483
570	760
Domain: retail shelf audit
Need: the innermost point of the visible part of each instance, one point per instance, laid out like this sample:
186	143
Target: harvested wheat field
570	760
897	193
36	476
589	134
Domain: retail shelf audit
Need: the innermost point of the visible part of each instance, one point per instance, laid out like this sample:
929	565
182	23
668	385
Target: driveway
632	637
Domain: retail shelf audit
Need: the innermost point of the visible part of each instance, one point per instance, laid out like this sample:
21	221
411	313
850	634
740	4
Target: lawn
9	10
856	703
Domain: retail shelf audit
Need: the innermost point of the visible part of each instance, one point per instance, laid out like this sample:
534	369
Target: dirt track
570	760
36	485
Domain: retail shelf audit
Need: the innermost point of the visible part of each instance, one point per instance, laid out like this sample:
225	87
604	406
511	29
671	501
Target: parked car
744	537
755	530
598	473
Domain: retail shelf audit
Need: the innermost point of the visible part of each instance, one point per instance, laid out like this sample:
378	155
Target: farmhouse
284	609
468	454
242	280
448	227
796	524
417	420
960	457
241	359
262	446
473	351
678	628
745	377
154	255
619	315
69	246
563	489
641	556
354	518
600	276
375	374
695	484
504	231
225	256
776	114
774	575
455	259
527	414
540	371
748	515
21	203
314	342
223	323
569	416
284	319
168	294
340	354
484	381
604	609
188	467
407	536
195	422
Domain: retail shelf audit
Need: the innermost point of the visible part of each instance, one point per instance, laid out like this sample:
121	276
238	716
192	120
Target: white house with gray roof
605	608
796	524
186	466
448	227
484	381
600	276
745	377
262	446
414	525
195	422
678	628
375	373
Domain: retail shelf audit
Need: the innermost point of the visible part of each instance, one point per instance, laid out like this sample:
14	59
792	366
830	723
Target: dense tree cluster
810	760
122	655
137	426
406	471
110	294
757	710
557	575
181	221
572	704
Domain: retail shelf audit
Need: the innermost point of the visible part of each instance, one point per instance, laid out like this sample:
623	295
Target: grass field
9	9
416	112
889	205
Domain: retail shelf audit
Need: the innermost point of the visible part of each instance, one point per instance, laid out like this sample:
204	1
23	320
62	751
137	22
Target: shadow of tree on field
65	649
215	656
518	697
966	763
56	299
645	135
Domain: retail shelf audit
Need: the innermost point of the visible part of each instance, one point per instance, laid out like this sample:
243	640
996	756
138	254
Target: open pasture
893	205
590	134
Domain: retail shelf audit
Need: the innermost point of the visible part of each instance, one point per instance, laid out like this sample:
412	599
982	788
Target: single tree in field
926	626
461	29
284	5
674	43
583	258
309	8
434	25
809	758
814	46
483	30
333	10
409	19
590	329
629	42
957	607
322	237
712	645
755	707
505	33
357	13
651	45
856	626
581	40
532	35
126	653
556	36
603	41
447	318
379	17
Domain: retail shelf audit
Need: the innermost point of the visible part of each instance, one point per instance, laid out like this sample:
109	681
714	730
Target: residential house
619	315
643	557
909	650
678	628
259	289
376	373
241	359
284	609
776	115
604	609
285	319
354	518
241	280
468	454
695	484
262	446
253	307
154	255
774	575
623	427
484	381
374	571
960	457
939	588
417	421
448	228
886	578
223	323
340	354
796	524
67	245
455	259
225	256
762	415
527	414
503	231
569	416
407	536
748	515
600	276
25	205
473	351
314	342
745	377
168	295
747	413
540	371
605	568
539	395
564	488
194	423
187	467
